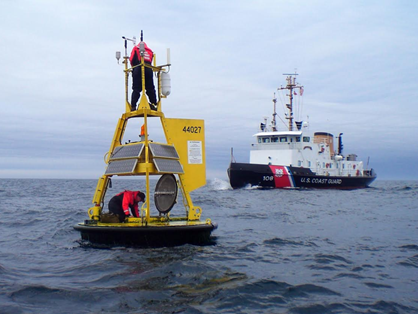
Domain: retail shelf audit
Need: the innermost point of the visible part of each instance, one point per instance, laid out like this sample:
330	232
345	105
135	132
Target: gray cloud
62	89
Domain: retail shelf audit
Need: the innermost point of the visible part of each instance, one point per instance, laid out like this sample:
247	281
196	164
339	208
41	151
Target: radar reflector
165	195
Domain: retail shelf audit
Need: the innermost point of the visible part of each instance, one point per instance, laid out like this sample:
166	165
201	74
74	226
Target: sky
62	89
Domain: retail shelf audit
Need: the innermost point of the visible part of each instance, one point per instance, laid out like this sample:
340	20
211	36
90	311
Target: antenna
274	113
133	39
126	43
291	85
142	36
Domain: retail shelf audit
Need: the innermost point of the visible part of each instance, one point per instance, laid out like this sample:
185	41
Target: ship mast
273	123
291	85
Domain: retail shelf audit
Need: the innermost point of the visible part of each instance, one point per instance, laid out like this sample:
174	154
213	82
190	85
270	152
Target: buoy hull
146	236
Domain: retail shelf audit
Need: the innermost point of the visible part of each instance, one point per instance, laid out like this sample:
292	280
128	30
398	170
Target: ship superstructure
298	157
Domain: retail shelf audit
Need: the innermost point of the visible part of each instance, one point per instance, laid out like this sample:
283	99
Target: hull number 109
268	178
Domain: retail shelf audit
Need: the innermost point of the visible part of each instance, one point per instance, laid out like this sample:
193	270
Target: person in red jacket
135	59
125	204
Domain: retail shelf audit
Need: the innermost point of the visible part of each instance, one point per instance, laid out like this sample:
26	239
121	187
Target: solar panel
126	166
127	151
168	165
165	151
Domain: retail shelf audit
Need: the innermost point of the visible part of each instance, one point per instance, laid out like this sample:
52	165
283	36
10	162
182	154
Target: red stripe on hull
282	178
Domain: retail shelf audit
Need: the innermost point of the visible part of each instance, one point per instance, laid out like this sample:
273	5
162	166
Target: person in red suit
135	59
125	204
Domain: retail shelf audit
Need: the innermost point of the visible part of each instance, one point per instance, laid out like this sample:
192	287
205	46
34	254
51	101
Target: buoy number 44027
192	129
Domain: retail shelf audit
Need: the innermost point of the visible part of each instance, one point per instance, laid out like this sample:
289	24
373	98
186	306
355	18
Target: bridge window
306	139
274	139
297	138
283	139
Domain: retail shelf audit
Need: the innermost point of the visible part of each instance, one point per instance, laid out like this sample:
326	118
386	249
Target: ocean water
275	251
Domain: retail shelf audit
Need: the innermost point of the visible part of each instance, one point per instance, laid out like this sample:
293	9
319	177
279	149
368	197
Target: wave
409	247
37	298
275	251
410	262
219	185
285	242
330	258
377	285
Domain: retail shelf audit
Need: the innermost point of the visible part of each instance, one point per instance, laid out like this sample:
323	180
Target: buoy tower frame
178	133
